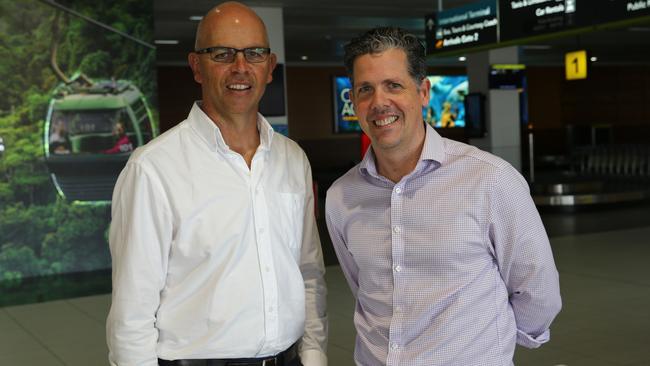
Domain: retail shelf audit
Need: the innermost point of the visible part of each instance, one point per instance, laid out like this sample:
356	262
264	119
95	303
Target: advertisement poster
344	118
78	96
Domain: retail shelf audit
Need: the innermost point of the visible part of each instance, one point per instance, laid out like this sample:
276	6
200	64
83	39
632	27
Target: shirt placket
395	341
263	241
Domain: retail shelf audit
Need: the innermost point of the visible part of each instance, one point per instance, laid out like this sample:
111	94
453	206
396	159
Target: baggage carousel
588	193
596	175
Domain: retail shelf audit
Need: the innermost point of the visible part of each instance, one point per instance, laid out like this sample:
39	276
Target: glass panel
91	131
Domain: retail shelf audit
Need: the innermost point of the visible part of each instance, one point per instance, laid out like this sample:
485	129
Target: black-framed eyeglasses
228	54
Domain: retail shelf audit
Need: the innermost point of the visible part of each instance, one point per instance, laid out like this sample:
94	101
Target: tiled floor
605	320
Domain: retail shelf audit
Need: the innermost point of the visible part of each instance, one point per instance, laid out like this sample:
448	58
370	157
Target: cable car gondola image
92	126
90	131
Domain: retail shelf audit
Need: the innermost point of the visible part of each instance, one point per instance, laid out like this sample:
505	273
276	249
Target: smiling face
231	89
389	102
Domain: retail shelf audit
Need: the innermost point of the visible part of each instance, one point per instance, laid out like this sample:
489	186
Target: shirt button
398	268
270	309
397	229
267	268
261	230
398	190
394	346
398	309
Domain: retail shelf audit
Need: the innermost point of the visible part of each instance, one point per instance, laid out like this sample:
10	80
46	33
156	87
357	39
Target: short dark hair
378	40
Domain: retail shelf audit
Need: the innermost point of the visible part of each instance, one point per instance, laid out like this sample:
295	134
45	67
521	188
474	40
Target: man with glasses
216	256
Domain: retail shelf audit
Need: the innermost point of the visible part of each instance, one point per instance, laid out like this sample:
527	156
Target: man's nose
240	63
379	99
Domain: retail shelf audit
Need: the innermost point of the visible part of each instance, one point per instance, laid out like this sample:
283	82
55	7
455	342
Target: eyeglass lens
227	54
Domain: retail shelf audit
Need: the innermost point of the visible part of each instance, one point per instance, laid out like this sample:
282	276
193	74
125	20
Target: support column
502	106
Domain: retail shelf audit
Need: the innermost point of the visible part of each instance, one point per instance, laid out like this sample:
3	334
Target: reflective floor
605	277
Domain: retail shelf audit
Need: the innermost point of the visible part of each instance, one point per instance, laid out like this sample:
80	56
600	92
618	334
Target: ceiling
319	28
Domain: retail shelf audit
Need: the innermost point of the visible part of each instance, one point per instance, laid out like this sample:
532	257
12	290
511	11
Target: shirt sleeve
524	257
332	218
313	347
140	238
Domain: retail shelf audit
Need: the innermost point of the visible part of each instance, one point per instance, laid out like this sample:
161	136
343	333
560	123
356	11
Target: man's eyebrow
392	80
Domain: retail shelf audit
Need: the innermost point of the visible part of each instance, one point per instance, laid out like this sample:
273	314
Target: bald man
216	256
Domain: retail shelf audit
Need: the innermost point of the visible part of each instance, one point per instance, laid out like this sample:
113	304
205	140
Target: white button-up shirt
212	259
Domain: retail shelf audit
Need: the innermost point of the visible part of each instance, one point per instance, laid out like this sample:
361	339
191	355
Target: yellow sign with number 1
575	64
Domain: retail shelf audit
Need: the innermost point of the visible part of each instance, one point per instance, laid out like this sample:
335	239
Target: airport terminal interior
566	101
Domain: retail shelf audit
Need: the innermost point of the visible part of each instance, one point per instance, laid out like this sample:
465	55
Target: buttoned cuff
312	357
529	341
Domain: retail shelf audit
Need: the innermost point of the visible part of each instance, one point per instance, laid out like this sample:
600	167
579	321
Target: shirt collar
432	151
434	146
211	133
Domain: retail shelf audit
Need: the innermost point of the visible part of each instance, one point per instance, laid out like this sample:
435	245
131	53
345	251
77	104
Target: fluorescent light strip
536	47
166	41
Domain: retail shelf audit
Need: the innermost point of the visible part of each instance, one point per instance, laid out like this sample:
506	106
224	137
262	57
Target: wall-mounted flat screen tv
445	109
475	115
507	76
272	103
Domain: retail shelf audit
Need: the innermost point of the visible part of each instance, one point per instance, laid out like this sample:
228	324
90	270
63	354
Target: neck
395	165
239	132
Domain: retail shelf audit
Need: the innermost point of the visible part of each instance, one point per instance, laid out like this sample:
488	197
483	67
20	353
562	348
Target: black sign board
613	10
463	27
527	18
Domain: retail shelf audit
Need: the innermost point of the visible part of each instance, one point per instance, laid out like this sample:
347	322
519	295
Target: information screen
527	18
462	27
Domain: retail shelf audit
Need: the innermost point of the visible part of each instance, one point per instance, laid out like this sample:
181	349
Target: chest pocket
286	215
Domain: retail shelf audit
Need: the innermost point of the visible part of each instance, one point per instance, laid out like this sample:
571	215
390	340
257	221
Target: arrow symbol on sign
430	24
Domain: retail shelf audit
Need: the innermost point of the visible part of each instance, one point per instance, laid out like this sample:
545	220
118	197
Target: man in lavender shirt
440	242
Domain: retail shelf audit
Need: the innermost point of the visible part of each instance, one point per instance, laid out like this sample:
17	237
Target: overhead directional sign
612	10
462	27
490	22
526	18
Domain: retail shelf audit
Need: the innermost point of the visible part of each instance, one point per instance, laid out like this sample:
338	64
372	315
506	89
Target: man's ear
193	60
425	90
273	62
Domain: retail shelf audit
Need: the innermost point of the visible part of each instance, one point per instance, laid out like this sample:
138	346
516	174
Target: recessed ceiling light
196	17
166	41
593	58
304	58
462	58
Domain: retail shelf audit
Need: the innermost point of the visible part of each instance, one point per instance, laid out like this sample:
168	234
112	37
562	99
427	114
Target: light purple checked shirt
450	266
